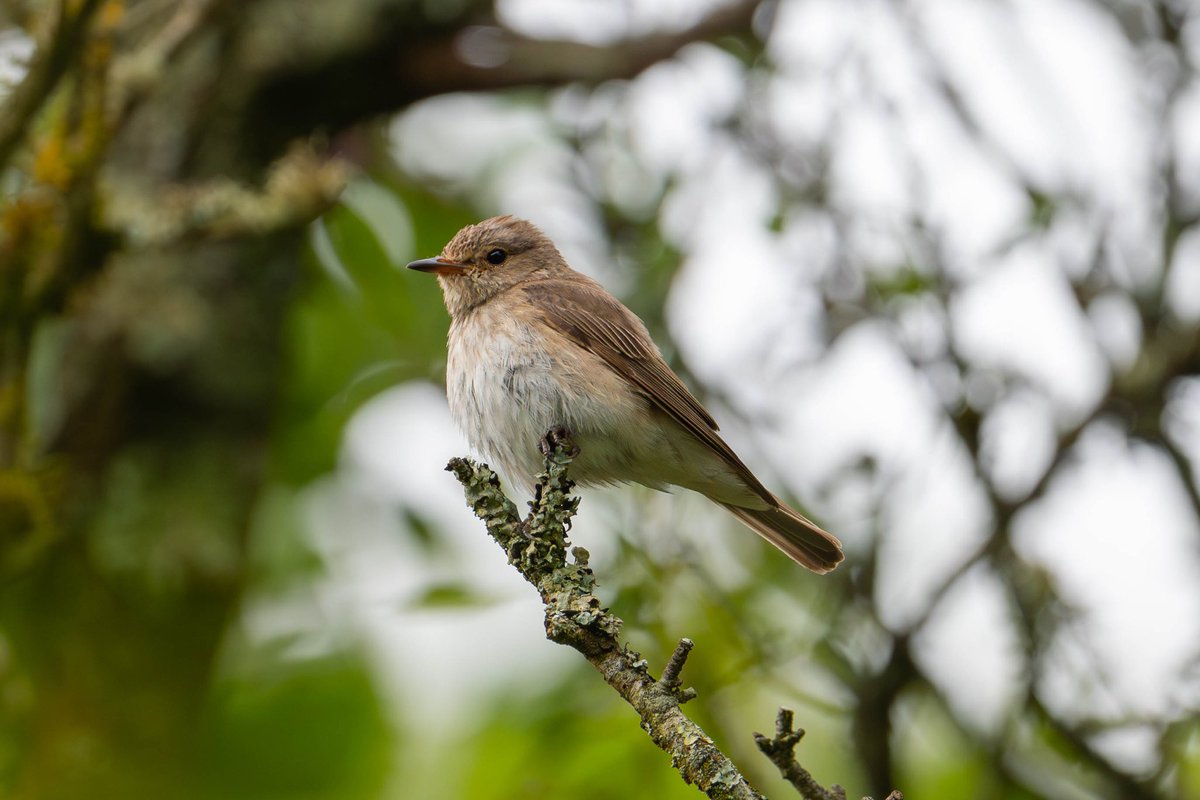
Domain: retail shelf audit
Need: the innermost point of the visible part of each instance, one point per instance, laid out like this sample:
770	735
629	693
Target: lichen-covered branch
537	546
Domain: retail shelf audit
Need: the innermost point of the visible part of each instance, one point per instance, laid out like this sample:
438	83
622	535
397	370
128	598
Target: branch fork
781	750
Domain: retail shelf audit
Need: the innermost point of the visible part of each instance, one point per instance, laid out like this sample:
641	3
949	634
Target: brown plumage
534	345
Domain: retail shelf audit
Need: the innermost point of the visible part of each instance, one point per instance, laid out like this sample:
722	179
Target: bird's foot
558	438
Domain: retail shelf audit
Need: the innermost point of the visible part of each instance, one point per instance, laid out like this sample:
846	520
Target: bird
535	345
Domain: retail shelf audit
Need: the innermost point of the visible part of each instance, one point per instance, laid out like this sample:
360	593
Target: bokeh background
934	266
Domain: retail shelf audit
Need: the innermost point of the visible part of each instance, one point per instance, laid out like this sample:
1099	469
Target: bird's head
487	258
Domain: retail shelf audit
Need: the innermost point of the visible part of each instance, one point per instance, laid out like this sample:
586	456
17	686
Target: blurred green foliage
349	342
568	740
287	729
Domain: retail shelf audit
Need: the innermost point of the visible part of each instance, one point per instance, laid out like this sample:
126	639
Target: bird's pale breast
509	380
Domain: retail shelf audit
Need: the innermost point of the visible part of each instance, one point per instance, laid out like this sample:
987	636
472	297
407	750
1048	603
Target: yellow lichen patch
111	14
17	218
26	520
25	220
50	162
100	47
28	216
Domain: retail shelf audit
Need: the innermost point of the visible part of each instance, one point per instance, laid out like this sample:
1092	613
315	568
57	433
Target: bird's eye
496	256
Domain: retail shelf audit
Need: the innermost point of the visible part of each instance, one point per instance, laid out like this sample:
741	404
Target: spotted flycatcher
535	345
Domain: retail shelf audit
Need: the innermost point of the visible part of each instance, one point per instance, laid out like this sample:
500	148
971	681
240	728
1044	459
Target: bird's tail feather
801	539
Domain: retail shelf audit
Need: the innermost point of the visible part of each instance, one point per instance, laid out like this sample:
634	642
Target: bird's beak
438	266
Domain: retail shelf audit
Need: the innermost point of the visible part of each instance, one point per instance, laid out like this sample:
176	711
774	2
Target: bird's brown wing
596	321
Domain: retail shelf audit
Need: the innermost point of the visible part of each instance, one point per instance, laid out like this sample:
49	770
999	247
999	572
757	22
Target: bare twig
782	752
670	675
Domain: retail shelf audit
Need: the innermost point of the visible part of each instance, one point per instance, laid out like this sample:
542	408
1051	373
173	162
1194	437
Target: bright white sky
1058	92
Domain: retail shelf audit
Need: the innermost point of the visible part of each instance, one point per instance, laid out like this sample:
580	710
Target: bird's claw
558	438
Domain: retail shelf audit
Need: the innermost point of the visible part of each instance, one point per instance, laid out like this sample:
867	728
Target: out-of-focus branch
1127	786
537	547
137	73
299	186
486	57
469	53
51	61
